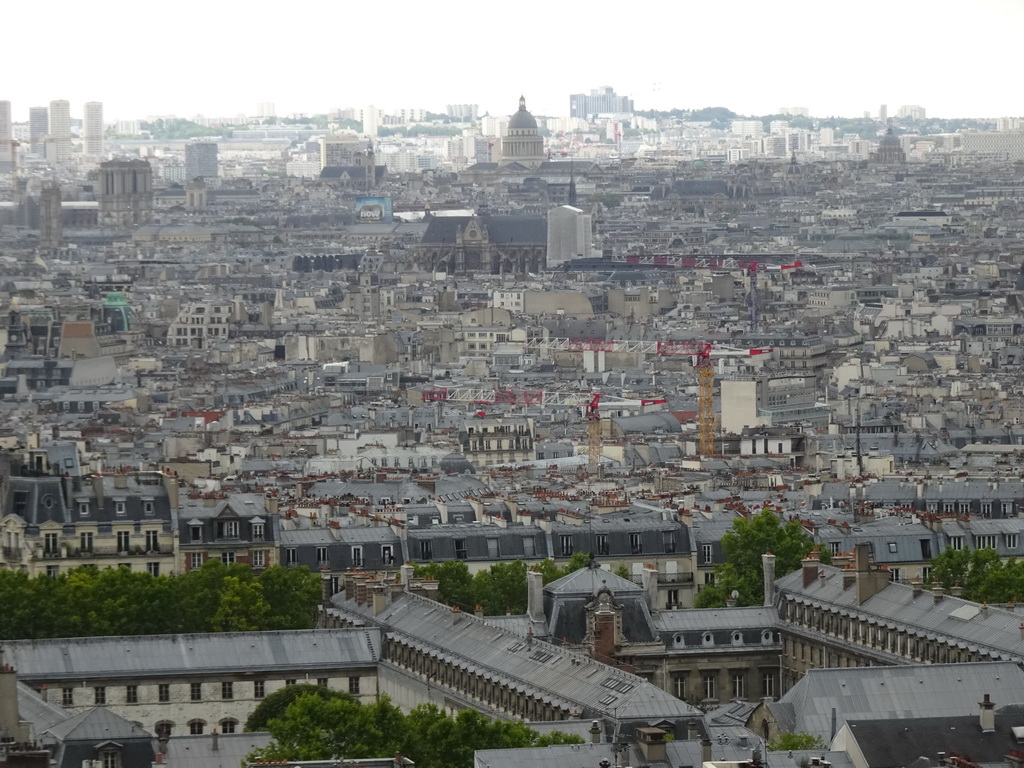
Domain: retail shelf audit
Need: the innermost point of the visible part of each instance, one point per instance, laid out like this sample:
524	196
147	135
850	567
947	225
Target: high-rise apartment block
265	109
201	160
59	139
463	112
339	150
883	113
92	134
371	120
794	111
7	145
752	128
38	128
600	101
912	112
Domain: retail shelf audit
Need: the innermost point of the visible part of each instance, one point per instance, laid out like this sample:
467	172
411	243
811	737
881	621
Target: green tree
293	595
793	741
318	728
553	738
454	582
274	706
743	545
980	572
501	588
242	607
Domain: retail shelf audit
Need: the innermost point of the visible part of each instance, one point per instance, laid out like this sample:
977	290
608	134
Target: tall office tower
600	101
92	134
7	157
463	112
883	113
38	127
265	109
371	120
125	193
51	222
59	143
201	160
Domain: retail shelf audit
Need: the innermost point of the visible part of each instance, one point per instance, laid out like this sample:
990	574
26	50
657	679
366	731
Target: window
985	542
195	727
739	685
706	554
196	533
123	540
119	508
153	568
259	689
227	690
387	555
672	598
709	685
460	549
668	541
322	682
636	546
227	557
768	684
986	509
228	725
493	549
85	541
152	541
196	692
163	693
131	694
426	550
51	544
833	547
289	682
259	558
195	560
529	547
321	555
926	549
110	758
290	556
956	542
679	686
565	545
893	549
353	685
1011	541
257	531
896	575
53	571
164	729
148	508
227	529
601	543
67	697
709	577
83	509
99	695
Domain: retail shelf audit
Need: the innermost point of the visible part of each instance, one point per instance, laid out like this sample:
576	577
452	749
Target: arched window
196	727
163	729
228	725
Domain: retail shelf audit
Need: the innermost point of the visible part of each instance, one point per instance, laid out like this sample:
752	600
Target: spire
522	103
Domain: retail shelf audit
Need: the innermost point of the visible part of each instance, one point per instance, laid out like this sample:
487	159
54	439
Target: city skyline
693	57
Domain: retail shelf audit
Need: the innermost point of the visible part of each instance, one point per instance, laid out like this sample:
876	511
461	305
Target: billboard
373	210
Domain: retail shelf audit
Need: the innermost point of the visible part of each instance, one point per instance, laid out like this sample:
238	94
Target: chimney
810	568
380	599
870	580
941	759
705	750
987	715
121	481
595	733
692	731
916	587
159	758
604	637
938	592
649	576
97	490
214	745
768	570
956	590
11	724
406	572
535	597
171	489
652	744
1022	630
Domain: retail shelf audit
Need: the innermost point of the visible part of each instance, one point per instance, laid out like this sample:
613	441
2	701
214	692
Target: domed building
523	143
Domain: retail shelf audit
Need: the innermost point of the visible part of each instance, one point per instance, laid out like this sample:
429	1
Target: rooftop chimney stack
768	569
987	715
938	592
535	597
810	568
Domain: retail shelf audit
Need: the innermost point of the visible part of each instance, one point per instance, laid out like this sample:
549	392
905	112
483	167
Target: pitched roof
96	724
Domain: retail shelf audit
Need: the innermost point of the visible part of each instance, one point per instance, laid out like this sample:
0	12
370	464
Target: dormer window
120	508
257	531
148	507
83	509
227	529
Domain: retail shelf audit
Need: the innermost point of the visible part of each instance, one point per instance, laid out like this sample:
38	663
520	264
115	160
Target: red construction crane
702	353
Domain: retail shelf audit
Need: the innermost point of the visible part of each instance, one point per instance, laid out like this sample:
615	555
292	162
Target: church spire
522	103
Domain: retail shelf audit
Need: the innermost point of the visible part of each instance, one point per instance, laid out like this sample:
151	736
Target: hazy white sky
957	58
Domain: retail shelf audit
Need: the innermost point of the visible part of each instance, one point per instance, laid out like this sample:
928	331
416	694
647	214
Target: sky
955	58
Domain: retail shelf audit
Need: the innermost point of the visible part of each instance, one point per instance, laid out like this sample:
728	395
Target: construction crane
702	353
593	418
483	396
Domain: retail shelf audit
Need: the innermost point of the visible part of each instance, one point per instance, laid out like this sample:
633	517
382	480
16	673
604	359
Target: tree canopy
499	589
318	727
743	545
983	577
89	601
276	704
785	742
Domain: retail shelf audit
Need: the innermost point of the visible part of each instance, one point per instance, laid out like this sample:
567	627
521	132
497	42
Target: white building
569	235
744	128
203	323
371	119
92	133
58	145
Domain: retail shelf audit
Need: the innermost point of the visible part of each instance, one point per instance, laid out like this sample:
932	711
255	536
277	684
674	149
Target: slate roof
153	655
895	693
526	228
96	724
893	743
568	679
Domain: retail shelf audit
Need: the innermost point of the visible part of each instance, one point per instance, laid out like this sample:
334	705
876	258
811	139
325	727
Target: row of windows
153	569
87	540
709	685
257	558
225	529
196	691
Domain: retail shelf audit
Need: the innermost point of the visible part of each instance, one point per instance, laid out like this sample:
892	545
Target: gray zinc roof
153	655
